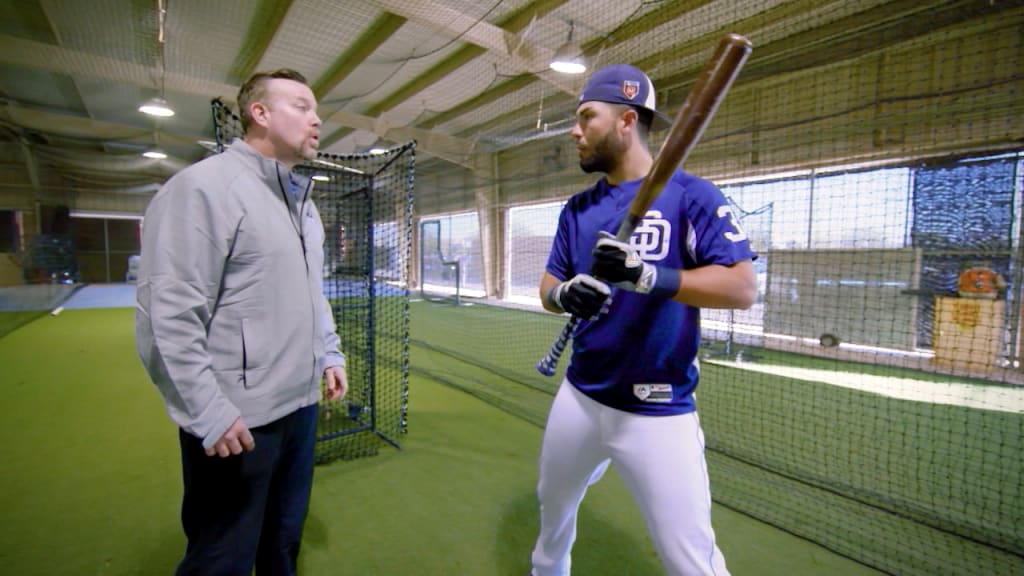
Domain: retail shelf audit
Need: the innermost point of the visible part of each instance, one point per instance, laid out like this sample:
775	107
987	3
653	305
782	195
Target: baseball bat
689	125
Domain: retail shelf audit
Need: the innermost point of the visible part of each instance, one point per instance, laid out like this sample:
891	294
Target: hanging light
568	58
157	106
155	153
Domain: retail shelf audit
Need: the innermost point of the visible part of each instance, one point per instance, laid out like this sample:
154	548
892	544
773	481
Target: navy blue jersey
641	356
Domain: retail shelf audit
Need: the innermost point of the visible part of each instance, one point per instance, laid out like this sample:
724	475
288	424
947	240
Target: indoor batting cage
365	203
871	400
865	411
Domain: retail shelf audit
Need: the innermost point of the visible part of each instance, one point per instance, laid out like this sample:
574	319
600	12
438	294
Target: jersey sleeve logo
737	235
651	237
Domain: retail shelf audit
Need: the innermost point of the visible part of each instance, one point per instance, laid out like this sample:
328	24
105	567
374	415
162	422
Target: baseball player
628	395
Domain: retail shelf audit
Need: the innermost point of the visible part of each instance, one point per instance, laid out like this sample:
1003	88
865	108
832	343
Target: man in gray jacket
234	329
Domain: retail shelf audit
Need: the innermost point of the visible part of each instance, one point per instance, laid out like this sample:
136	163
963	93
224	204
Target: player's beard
605	154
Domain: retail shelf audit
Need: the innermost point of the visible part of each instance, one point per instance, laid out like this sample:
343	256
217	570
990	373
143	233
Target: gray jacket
231	318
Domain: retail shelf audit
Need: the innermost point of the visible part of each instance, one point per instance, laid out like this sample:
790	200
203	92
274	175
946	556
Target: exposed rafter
26	53
359	51
524	55
85	128
271	14
625	32
512	23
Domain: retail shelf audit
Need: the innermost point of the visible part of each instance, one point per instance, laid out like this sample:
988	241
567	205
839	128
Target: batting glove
583	296
620	264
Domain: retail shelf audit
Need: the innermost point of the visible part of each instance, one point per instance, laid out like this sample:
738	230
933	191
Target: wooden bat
689	125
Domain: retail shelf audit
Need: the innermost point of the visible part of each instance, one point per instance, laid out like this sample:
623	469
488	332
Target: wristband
658	281
553	296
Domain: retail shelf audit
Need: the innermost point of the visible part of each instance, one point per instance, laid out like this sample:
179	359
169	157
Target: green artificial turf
91	481
910	487
12	320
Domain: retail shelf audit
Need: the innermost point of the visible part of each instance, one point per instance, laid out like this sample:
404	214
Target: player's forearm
719	286
546	284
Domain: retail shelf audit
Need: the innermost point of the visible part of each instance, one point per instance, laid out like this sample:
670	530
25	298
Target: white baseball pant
661	460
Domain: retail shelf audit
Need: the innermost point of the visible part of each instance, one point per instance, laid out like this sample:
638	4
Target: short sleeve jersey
641	356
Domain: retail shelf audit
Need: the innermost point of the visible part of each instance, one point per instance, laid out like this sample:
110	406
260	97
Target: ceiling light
321	178
155	153
568	58
209	145
377	151
157	107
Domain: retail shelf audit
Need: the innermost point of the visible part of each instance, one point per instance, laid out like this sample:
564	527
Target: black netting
871	400
365	201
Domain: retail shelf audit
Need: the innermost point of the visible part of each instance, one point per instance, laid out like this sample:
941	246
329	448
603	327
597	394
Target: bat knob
546	367
738	40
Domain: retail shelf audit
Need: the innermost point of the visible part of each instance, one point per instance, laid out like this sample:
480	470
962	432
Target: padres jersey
641	356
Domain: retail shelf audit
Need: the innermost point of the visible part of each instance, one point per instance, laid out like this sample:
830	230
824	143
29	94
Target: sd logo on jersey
651	237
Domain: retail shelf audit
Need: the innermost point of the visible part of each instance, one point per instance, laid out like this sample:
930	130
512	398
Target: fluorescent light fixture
336	166
157	107
568	58
378	151
208	145
105	215
154	153
321	178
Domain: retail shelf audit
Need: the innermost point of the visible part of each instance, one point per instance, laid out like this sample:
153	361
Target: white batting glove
620	264
583	296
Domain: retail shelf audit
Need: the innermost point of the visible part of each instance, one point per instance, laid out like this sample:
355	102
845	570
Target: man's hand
236	439
620	264
337	382
583	296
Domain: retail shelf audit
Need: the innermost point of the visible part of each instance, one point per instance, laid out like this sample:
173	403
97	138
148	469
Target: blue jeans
248	510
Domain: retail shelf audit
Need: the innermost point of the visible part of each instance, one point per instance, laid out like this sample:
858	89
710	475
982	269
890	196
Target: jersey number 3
738	235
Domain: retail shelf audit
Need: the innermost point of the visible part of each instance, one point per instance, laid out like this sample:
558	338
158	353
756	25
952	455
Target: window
530	231
861	210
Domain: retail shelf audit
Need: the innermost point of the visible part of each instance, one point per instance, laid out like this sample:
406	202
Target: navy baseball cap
624	84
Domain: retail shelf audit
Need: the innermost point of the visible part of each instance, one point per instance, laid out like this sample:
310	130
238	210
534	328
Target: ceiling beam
20	52
31	166
79	127
455	150
526	56
379	32
513	22
781	52
870	30
266	21
29	54
626	31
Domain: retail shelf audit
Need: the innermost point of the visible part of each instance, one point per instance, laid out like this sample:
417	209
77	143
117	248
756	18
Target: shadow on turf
164	554
601	547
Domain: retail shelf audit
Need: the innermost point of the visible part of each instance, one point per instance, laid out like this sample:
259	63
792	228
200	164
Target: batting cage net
871	400
365	202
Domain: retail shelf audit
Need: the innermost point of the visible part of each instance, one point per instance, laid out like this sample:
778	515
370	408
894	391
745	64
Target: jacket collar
268	169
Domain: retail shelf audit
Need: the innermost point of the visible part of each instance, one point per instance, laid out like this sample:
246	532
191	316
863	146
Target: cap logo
630	89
